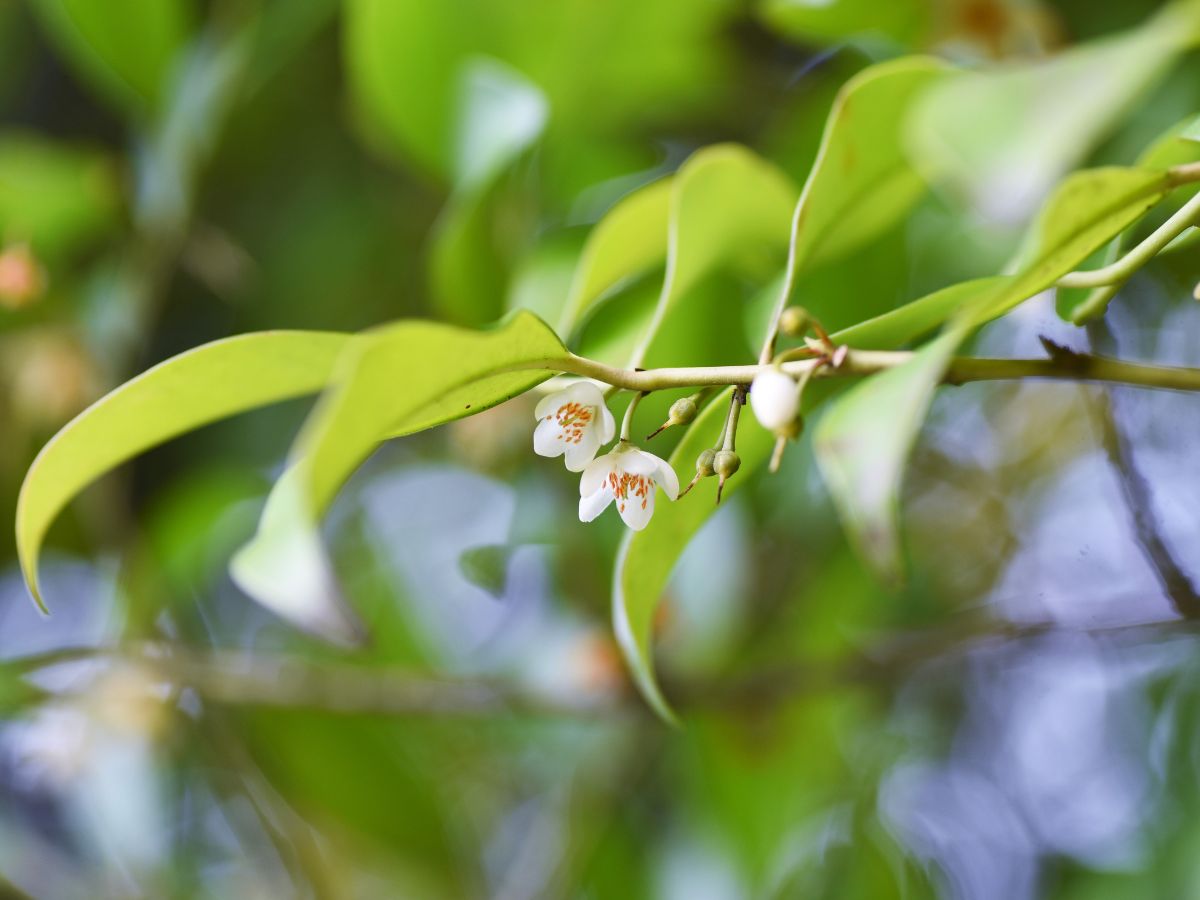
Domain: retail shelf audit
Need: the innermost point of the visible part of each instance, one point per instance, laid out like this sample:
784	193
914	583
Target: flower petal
586	393
635	461
607	425
636	512
591	505
550	404
579	455
595	474
667	479
547	439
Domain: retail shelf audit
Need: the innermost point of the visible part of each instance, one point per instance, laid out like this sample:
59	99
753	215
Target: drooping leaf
198	387
124	48
397	379
1001	138
56	197
630	239
861	182
863	441
647	557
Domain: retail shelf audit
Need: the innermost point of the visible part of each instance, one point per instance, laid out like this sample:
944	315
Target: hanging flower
626	475
773	399
574	423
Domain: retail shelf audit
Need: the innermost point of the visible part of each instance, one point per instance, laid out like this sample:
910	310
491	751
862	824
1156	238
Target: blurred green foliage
187	171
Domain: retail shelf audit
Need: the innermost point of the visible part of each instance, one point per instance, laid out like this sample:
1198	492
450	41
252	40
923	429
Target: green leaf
124	48
183	393
398	378
1001	138
630	239
861	182
54	196
862	442
646	558
906	323
726	203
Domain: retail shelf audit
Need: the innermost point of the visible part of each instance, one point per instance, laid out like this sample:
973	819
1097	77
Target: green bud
795	321
682	411
726	462
704	464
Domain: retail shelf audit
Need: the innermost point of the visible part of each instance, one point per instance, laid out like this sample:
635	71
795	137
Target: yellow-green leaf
726	202
861	182
211	382
396	379
630	239
647	557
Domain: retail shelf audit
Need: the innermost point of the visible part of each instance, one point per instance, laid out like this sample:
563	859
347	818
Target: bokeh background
1019	721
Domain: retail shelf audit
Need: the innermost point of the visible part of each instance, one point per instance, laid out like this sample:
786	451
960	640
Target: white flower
773	399
627	475
575	423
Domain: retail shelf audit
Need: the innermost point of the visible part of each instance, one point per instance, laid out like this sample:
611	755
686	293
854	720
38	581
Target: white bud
773	399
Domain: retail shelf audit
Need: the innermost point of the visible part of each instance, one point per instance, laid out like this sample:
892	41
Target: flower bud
773	397
795	321
682	411
725	464
704	468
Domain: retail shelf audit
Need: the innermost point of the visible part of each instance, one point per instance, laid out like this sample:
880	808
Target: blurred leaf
650	56
501	114
56	197
646	558
863	441
630	239
1001	138
281	29
400	378
1191	131
828	21
183	393
861	182
487	567
726	202
123	48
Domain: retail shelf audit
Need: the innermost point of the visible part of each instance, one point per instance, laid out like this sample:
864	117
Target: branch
1123	268
1060	366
